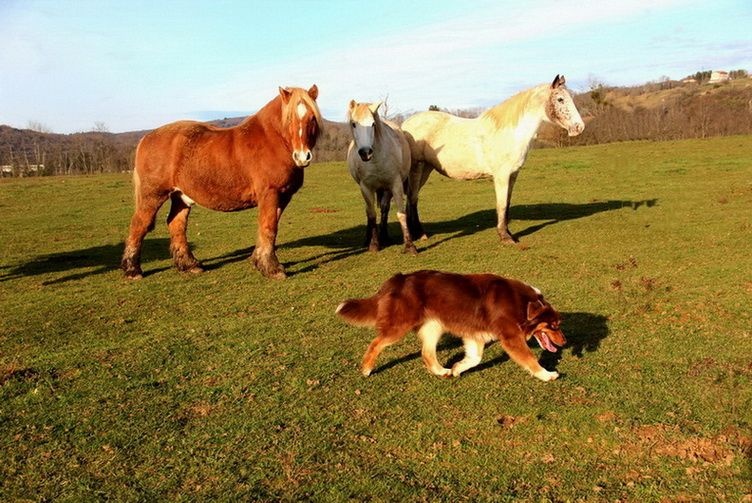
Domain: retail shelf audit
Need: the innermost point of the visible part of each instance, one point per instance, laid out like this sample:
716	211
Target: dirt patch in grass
506	421
719	450
14	372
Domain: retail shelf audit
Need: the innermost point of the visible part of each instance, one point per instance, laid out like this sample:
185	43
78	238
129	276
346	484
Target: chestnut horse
259	162
493	145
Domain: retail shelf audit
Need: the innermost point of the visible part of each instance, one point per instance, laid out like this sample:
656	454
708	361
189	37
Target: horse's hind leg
384	198
416	179
142	222
399	200
177	222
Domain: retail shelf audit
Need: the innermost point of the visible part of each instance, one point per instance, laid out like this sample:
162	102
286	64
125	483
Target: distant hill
668	110
24	152
655	111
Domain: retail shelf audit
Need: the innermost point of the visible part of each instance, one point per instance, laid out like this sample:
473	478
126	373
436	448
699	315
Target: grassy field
229	386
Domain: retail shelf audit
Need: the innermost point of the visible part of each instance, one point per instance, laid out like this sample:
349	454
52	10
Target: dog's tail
359	312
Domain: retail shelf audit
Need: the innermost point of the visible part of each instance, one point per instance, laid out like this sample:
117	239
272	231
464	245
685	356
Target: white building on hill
718	76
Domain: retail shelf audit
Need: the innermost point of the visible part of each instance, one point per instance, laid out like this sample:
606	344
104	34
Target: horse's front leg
264	256
503	186
372	234
384	199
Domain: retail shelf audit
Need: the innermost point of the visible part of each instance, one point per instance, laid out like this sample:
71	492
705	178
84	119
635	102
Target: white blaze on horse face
562	111
302	109
301	153
363	134
362	125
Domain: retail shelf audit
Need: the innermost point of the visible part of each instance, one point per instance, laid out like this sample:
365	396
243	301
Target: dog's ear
534	309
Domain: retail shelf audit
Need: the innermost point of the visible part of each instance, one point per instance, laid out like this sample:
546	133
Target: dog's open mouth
545	341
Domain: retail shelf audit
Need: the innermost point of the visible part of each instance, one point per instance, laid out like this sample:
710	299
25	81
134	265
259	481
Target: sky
73	65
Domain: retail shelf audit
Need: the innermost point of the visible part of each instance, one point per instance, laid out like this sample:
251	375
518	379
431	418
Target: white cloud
456	63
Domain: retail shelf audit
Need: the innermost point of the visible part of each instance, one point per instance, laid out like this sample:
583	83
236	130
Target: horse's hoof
411	249
272	272
191	267
508	239
134	276
277	275
373	247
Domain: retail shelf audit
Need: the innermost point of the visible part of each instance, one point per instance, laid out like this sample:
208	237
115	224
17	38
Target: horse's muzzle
576	129
366	153
302	158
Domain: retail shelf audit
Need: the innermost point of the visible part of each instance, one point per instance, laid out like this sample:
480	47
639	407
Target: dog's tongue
545	342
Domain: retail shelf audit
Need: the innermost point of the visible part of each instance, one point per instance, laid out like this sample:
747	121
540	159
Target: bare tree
100	127
38	127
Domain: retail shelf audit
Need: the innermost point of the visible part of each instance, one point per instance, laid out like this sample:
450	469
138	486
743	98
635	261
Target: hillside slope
658	111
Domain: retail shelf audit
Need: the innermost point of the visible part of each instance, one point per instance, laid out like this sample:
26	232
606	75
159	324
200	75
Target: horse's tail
359	312
136	189
137	177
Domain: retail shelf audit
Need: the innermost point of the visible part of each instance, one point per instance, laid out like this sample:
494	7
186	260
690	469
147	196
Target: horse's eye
352	124
560	100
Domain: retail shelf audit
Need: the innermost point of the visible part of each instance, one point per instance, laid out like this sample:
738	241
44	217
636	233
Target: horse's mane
297	92
510	111
272	109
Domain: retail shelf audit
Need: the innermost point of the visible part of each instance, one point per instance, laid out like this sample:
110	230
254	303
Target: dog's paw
366	371
456	370
444	372
545	375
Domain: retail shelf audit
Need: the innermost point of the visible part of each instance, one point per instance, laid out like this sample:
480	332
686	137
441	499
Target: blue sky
139	64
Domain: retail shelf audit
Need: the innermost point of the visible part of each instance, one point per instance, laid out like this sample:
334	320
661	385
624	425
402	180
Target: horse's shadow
551	213
560	212
343	243
347	242
85	262
583	331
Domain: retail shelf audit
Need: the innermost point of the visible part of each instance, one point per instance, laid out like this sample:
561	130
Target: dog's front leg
473	355
519	351
429	334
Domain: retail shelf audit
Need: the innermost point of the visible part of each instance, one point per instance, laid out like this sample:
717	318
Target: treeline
663	110
32	153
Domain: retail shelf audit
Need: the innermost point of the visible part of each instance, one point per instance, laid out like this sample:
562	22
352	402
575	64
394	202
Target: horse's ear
558	81
351	106
285	93
374	107
534	309
313	92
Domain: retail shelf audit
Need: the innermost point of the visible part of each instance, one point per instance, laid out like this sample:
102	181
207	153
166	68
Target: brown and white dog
478	308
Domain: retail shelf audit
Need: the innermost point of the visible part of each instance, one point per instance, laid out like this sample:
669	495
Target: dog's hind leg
473	355
386	337
519	351
430	333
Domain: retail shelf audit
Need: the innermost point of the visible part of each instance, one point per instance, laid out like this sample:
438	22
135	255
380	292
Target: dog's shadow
583	331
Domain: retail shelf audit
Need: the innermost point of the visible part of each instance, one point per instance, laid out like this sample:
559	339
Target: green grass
229	386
